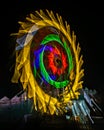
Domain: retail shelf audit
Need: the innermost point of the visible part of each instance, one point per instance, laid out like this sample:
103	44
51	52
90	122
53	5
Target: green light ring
47	77
54	37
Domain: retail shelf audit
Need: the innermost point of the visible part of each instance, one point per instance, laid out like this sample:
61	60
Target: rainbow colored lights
48	62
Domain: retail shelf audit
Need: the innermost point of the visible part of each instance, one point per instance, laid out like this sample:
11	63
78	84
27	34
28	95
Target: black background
85	19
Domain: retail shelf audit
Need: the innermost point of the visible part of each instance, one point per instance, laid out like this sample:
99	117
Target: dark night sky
85	19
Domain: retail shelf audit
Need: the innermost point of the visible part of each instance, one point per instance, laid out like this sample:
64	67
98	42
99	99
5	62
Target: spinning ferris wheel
48	62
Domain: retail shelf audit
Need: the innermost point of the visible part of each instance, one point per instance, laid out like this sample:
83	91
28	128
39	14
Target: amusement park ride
49	67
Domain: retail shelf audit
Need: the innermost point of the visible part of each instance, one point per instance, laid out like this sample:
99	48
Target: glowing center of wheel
58	62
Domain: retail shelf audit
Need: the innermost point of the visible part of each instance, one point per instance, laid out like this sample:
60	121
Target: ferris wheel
48	62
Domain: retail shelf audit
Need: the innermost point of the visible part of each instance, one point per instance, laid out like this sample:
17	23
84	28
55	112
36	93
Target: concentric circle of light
48	62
